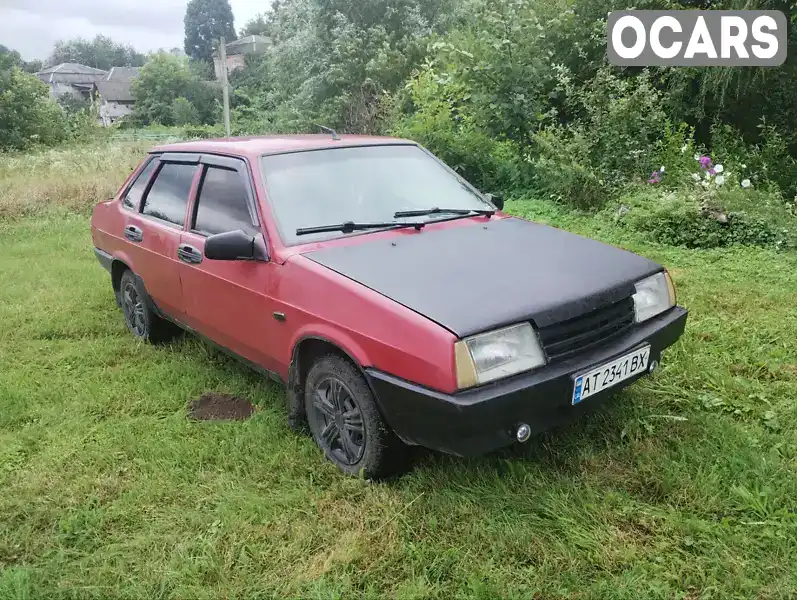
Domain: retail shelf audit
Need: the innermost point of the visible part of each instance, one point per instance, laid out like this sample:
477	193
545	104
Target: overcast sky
32	26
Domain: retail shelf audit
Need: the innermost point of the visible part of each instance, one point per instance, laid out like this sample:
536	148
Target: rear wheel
345	421
140	318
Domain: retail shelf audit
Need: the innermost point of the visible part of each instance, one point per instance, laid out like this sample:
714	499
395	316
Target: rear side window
133	196
222	204
168	196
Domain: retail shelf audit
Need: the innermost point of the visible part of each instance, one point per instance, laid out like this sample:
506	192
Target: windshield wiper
487	212
351	226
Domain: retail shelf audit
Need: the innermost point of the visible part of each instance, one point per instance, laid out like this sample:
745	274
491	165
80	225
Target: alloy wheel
340	421
133	305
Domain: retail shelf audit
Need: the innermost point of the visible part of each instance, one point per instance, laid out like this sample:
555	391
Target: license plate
610	374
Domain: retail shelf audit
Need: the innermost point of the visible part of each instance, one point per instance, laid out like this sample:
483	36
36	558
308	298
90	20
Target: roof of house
115	91
122	73
250	44
70	73
72	69
277	144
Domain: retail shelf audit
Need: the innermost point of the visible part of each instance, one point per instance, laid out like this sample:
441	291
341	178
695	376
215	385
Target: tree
333	60
32	66
183	112
11	58
72	104
205	22
27	115
260	24
101	53
163	80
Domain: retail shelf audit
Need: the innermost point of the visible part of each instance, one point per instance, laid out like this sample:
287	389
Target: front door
227	301
153	233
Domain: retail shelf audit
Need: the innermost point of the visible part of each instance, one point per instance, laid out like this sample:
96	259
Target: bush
615	127
563	169
437	122
675	151
735	216
183	112
767	163
73	104
202	132
28	117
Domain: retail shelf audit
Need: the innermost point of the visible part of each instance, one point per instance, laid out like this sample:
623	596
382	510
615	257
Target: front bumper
483	419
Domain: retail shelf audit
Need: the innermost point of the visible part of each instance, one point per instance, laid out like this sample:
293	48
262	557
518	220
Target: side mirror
496	199
233	245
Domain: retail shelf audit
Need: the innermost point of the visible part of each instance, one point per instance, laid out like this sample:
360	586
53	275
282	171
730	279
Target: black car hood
477	277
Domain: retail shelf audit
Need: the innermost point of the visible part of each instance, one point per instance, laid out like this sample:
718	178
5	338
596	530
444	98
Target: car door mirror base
234	245
496	200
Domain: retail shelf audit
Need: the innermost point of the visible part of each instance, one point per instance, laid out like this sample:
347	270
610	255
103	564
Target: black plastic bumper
483	419
106	260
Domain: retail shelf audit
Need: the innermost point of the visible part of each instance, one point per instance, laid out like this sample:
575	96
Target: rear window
132	198
168	197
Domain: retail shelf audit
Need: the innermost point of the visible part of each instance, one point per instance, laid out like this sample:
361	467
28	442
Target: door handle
189	254
133	233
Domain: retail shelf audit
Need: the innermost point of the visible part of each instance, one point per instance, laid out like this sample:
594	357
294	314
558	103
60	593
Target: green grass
684	487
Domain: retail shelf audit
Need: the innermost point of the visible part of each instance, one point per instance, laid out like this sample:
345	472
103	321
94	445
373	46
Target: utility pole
225	86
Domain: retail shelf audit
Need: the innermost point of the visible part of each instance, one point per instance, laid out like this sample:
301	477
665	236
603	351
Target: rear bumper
483	419
106	260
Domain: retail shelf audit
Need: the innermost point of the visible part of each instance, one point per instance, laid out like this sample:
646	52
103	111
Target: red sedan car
398	304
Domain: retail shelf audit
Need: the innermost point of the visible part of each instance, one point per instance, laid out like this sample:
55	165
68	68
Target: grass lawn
684	487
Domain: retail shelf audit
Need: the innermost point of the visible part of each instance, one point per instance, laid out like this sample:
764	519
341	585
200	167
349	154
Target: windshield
362	184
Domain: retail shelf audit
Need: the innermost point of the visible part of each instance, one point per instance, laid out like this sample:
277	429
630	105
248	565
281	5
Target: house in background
115	99
71	78
237	51
114	94
123	74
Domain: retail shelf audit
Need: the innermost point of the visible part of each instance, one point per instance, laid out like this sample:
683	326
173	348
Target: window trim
173	158
152	158
241	167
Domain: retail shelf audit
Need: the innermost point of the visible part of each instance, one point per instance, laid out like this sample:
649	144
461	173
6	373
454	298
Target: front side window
360	184
133	196
168	197
223	203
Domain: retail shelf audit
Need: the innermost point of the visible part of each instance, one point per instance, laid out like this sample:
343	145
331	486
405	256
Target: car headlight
500	353
653	296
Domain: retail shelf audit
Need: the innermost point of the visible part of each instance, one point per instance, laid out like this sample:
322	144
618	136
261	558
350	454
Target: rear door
153	230
227	301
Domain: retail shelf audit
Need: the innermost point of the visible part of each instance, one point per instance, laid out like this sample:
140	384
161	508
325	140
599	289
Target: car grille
569	337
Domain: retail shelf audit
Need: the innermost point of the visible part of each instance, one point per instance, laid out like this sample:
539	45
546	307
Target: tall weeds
72	177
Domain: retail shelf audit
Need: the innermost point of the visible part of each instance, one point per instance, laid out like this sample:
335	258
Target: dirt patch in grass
220	407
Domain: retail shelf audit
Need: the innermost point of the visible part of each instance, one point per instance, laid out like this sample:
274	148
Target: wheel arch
306	349
118	267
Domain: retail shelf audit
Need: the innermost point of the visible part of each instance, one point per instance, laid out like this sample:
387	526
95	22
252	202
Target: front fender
331	335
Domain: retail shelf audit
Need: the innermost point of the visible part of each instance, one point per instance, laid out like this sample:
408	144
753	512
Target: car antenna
329	130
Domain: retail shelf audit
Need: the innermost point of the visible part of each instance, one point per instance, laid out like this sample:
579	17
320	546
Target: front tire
140	317
345	421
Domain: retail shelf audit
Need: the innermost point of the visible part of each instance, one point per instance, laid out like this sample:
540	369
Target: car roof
276	144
